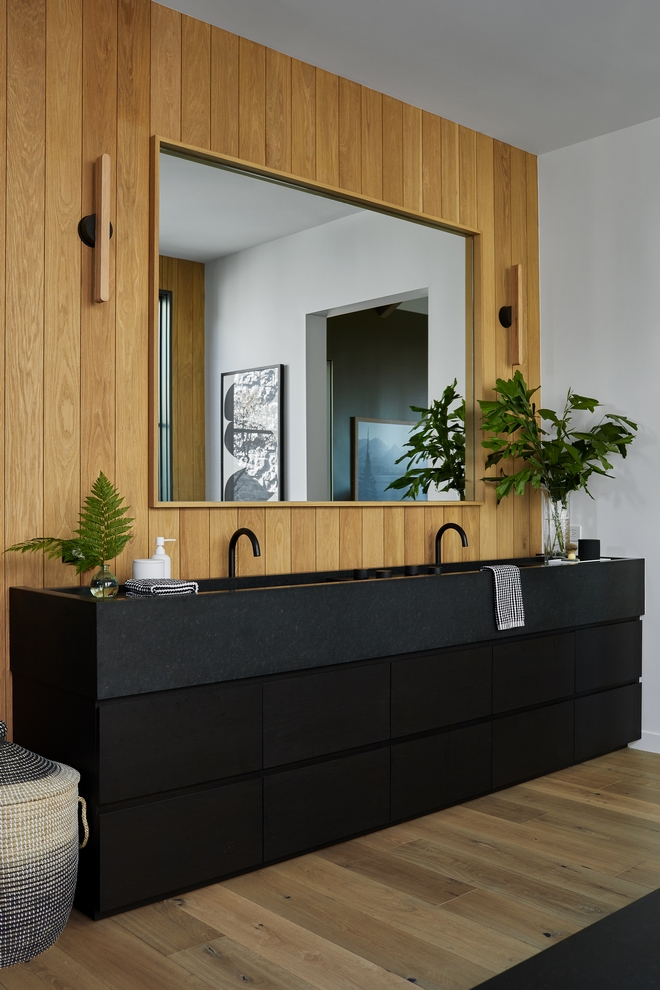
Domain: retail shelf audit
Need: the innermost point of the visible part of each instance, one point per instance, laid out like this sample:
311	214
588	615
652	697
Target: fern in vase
103	532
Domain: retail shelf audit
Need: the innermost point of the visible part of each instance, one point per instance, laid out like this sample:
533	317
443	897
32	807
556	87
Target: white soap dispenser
162	556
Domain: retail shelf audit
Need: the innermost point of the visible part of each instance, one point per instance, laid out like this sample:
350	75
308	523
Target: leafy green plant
103	531
439	445
560	463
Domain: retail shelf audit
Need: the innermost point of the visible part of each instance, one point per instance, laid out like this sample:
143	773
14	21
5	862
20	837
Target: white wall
257	302
600	333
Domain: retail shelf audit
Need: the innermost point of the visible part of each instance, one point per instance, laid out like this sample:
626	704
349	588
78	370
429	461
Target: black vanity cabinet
212	755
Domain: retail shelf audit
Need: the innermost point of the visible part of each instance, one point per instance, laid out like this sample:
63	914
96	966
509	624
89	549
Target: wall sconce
97	234
511	317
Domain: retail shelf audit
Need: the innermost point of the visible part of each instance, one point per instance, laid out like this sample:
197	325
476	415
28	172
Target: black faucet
440	534
256	549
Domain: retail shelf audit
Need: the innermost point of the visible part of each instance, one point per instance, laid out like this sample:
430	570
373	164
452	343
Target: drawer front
440	770
431	692
532	671
158	848
177	738
532	743
608	655
320	713
325	803
607	721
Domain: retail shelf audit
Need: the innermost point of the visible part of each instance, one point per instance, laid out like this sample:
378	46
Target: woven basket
38	850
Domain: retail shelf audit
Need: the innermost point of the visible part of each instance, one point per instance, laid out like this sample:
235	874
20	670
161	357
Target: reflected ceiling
207	213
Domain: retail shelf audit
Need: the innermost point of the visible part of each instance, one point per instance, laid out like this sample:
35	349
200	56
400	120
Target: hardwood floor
444	901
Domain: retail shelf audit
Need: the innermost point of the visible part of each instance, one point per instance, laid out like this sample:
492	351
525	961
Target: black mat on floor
621	952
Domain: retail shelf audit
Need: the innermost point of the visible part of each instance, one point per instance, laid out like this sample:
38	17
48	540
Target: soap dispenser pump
162	556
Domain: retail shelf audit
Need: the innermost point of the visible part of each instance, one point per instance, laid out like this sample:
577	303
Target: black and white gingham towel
509	607
146	587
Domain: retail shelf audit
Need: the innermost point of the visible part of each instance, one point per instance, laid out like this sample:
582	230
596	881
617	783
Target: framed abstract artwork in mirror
251	469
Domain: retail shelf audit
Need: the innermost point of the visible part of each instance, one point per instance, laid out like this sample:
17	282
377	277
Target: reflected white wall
257	302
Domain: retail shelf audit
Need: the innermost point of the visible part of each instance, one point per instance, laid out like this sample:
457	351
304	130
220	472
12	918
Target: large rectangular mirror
294	331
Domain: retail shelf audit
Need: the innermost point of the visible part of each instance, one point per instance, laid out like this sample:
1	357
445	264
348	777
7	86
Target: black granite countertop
131	646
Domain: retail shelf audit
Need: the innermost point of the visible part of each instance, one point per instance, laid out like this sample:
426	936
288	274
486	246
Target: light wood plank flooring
444	901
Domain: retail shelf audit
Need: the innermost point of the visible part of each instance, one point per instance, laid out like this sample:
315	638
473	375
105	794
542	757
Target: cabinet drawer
176	738
607	721
158	848
608	655
532	671
440	770
430	692
319	713
532	743
314	805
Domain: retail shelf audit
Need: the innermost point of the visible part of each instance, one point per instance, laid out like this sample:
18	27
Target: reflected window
165	396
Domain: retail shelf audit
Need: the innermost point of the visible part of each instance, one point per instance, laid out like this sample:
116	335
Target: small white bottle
162	556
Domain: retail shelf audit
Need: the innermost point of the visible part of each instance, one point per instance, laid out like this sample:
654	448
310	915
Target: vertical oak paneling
24	334
412	158
450	171
252	101
86	77
431	164
132	273
97	321
303	540
394	537
195	82
350	135
350	538
414	535
165	71
195	536
278	541
392	151
372	143
224	92
303	119
278	111
62	277
327	539
373	546
23	292
467	152
327	127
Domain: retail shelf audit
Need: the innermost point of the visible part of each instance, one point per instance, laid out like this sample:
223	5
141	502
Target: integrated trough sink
329	577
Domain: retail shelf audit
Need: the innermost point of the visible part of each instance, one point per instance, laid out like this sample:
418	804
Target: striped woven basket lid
18	765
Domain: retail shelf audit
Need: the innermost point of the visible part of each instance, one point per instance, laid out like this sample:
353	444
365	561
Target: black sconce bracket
505	316
87	230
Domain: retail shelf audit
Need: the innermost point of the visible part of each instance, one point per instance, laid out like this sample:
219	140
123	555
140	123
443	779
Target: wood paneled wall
84	77
185	280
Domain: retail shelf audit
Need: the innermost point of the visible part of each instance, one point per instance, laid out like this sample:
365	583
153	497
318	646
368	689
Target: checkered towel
146	587
509	607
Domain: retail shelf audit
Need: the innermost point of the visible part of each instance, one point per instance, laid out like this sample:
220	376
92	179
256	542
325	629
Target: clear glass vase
104	583
556	525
